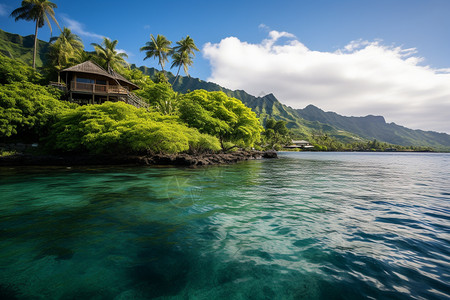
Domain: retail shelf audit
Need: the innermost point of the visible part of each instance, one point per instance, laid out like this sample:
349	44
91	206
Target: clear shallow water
305	226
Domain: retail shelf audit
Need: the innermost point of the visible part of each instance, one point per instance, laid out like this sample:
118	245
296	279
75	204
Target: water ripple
305	226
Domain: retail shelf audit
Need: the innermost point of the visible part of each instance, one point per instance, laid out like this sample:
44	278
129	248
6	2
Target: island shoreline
181	159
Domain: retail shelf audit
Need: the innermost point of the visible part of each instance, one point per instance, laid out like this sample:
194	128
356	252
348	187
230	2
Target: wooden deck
93	88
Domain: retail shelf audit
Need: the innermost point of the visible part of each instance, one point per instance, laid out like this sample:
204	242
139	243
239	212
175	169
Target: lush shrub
276	134
137	77
28	110
14	71
122	128
217	114
200	142
160	96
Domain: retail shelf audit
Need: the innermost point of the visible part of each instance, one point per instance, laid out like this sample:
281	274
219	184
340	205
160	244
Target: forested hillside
18	47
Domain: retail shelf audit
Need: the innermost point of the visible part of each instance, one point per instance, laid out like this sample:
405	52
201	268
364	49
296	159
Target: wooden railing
98	88
60	86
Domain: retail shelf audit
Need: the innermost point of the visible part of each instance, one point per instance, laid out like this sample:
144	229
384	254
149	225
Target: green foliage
28	110
64	52
217	114
276	134
7	152
318	147
161	77
137	77
182	55
122	128
13	71
108	56
161	97
157	48
199	142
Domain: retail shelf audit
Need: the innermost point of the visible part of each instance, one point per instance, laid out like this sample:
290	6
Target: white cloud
362	78
78	29
124	51
263	27
3	10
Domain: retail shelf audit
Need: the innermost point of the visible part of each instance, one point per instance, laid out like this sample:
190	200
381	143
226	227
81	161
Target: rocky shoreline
182	159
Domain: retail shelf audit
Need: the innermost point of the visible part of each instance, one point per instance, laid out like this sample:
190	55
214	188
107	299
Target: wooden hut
88	83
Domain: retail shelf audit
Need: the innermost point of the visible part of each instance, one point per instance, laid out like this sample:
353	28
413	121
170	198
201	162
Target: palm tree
179	60
182	55
159	47
38	11
83	56
64	49
108	55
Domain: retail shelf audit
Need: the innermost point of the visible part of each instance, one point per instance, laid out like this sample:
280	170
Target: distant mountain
21	48
375	127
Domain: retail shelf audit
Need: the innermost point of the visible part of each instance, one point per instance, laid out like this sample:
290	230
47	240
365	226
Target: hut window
85	80
101	82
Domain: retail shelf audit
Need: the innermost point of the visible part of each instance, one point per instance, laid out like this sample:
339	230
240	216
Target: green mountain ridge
375	127
20	48
304	123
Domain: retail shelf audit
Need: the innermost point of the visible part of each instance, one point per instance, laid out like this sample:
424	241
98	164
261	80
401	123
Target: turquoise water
305	226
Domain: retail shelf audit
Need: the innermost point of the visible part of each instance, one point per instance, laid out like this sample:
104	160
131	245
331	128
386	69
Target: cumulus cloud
364	77
78	28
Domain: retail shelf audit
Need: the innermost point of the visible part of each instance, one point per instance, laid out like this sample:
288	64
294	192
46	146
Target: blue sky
419	28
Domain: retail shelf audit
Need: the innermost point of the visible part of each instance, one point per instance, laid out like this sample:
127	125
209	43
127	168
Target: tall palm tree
182	55
38	11
68	38
181	60
108	55
159	47
64	49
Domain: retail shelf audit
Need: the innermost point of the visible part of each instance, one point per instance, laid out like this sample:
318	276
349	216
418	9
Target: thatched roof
90	67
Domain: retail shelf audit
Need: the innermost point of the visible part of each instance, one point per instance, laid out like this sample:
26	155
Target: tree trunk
221	144
35	44
176	77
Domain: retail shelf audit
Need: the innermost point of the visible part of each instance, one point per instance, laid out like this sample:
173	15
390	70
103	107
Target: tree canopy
182	55
64	51
158	48
217	114
108	56
14	71
28	110
276	134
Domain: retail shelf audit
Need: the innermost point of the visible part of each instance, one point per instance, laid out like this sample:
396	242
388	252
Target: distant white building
302	144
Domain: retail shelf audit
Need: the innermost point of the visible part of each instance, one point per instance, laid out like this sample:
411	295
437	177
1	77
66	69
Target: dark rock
182	159
270	154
